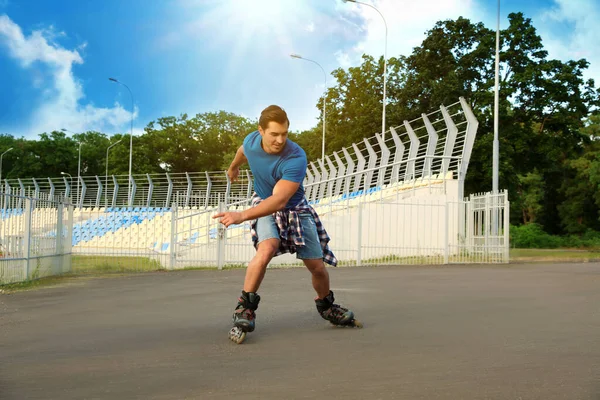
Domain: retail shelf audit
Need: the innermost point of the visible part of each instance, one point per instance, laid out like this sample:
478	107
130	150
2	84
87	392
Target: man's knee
316	267
267	249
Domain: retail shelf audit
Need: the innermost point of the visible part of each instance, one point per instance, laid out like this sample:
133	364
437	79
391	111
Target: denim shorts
266	228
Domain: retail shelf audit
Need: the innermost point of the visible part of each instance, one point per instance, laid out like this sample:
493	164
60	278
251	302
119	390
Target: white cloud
343	58
580	42
407	21
61	95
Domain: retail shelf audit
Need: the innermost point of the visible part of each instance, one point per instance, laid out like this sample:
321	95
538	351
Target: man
282	219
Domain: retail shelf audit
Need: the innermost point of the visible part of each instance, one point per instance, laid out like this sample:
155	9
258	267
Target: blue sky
195	56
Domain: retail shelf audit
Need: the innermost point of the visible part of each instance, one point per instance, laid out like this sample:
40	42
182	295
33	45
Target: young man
281	218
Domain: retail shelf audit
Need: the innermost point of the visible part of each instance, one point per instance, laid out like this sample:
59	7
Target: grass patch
33	284
553	254
105	264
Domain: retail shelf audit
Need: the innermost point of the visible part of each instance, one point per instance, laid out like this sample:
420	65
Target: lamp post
324	100
106	176
65	173
496	148
2	155
130	138
78	165
384	62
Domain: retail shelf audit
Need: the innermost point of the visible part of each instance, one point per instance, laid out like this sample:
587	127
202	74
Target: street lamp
384	63
106	176
130	138
496	147
2	155
324	100
78	164
64	173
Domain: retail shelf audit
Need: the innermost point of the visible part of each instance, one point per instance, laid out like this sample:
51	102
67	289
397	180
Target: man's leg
320	276
268	237
312	256
258	265
325	301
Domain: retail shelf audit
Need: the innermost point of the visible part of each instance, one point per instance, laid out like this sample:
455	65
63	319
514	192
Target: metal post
150	190
446	244
359	238
115	191
227	189
506	228
221	230
370	165
411	172
132	192
173	252
79	175
99	192
398	154
83	190
169	190
52	189
249	191
106	175
385	157
27	237
496	106
496	146
58	251
208	189
69	239
359	167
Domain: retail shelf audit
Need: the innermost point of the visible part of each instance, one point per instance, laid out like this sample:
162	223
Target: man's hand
229	218
233	174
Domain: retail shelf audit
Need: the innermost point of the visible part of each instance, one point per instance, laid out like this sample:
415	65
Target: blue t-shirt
268	169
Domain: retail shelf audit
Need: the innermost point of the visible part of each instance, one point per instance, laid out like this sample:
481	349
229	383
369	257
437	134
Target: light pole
64	173
2	155
106	176
324	100
78	164
130	139
496	148
384	62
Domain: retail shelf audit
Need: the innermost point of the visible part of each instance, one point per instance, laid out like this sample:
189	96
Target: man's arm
239	159
234	169
282	192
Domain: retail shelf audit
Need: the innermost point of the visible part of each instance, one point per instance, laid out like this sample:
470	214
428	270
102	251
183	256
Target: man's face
274	137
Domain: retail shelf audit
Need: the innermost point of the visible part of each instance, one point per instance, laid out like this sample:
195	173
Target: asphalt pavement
451	332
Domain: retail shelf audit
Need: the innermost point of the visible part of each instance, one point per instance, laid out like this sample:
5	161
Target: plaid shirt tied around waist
291	231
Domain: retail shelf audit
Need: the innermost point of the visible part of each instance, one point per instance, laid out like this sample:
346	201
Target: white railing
374	229
35	238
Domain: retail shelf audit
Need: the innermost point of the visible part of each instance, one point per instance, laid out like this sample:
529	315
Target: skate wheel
237	335
357	324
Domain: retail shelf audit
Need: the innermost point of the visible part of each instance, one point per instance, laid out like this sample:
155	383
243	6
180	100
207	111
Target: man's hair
273	113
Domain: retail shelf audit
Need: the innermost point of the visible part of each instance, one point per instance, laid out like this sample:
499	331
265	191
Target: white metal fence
369	230
377	228
35	238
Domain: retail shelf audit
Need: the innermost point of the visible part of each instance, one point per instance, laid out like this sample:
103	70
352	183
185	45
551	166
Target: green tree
531	195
